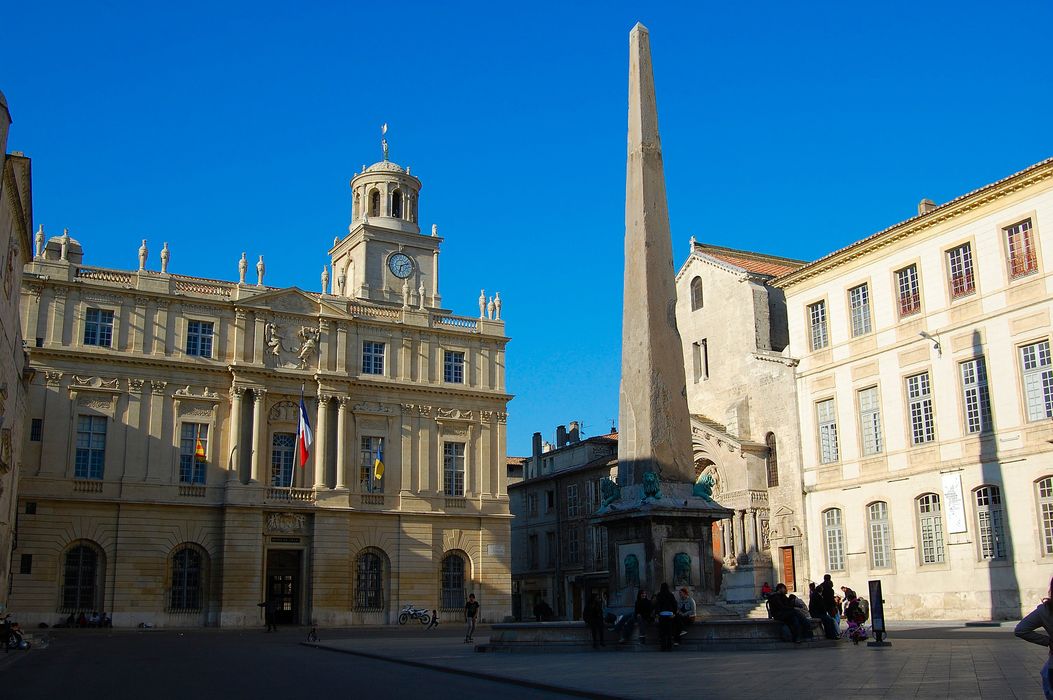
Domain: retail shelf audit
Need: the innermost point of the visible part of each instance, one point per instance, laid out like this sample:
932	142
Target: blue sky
789	129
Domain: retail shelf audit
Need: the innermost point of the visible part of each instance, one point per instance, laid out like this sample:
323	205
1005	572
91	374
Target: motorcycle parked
411	613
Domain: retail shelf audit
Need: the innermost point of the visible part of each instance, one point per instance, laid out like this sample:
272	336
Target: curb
535	685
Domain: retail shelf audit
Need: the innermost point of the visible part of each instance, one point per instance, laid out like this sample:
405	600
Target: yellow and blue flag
378	463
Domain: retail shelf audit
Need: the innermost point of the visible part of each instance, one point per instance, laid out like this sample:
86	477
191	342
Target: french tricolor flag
303	433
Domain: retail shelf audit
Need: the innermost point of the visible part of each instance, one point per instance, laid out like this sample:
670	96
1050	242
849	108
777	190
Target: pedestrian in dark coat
665	608
593	617
1041	618
270	607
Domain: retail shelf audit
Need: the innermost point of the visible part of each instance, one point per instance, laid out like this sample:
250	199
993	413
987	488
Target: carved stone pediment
286	522
82	383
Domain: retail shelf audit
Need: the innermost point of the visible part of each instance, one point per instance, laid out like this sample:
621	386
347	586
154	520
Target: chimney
537	445
561	436
574	432
925	206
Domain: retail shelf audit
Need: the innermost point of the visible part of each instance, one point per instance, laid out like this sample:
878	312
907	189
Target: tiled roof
757	263
516	461
941	212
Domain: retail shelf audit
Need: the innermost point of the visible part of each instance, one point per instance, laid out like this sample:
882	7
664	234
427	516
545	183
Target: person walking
665	608
270	607
592	615
1027	629
471	614
434	620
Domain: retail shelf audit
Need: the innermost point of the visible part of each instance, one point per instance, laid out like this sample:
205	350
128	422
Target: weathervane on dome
384	141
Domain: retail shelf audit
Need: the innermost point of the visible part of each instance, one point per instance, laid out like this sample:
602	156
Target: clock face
400	265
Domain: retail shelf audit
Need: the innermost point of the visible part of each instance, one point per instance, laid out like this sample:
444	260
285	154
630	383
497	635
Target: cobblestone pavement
926	662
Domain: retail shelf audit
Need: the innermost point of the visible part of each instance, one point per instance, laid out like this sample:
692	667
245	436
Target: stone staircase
750	610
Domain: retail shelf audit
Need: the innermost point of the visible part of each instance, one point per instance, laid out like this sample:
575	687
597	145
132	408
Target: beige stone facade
740	389
164	485
16	225
925	397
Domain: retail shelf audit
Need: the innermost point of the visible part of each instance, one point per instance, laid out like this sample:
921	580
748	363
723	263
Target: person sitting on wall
782	609
685	613
765	591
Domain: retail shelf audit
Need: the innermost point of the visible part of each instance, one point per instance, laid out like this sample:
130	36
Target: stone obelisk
654	426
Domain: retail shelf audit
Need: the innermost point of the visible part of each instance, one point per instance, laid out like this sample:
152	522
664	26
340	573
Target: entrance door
283	584
718	556
789	576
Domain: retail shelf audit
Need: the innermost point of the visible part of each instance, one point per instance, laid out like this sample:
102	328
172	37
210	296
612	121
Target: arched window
930	528
834	538
772	460
374	203
880	539
80	581
696	293
187	580
453	593
1045	513
989	521
396	204
369	581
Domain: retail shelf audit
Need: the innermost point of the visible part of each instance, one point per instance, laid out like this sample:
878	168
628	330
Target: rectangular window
859	307
367	473
880	540
36	430
989	522
827	431
372	357
834	537
573	545
282	454
534	559
1038	380
1022	257
550	548
25	566
870	421
453	367
193	451
550	501
453	468
98	328
976	396
1045	509
817	323
909	291
91	447
930	518
573	506
960	262
919	396
591	492
199	338
532	504
696	356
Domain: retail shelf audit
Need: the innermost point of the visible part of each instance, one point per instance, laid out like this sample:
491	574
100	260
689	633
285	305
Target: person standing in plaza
592	615
270	607
665	608
1041	617
471	614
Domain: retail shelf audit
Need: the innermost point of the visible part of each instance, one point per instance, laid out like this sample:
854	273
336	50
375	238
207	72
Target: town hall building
160	474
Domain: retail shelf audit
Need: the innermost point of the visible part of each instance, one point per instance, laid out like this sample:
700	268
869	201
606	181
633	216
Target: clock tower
384	258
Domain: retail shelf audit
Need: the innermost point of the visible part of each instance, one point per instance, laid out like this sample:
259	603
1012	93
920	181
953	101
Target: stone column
341	442
725	538
320	454
436	300
259	396
237	393
738	522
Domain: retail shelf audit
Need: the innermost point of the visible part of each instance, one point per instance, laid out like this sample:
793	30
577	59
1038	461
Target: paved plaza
945	660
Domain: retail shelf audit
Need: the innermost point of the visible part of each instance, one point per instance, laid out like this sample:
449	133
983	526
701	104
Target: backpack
864	609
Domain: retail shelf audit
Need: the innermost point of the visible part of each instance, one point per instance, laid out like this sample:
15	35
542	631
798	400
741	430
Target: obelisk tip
639	27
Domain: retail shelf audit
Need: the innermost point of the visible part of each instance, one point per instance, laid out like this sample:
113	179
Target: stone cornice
952	209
